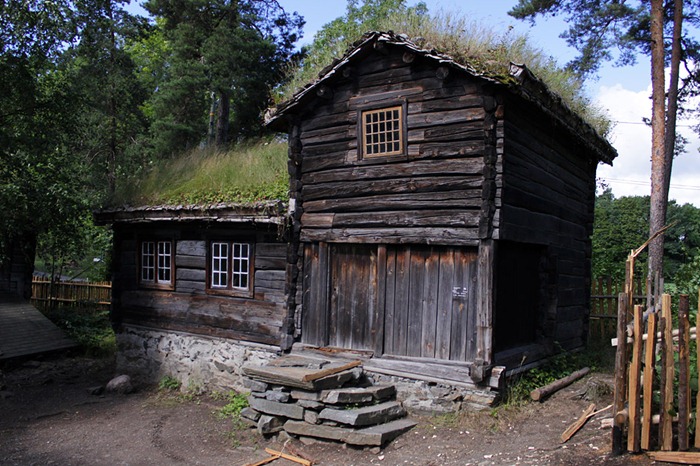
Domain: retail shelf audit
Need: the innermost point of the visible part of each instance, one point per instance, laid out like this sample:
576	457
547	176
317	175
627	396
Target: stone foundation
194	360
419	395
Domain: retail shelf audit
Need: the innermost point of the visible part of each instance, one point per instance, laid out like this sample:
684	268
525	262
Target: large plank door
343	295
430	301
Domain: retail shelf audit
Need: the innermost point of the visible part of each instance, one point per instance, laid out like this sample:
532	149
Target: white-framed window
230	266
156	266
382	132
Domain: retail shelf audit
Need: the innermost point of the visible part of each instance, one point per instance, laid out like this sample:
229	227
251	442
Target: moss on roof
247	174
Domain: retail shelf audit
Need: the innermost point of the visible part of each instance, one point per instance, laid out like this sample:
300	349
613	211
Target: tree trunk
672	110
222	120
659	196
211	137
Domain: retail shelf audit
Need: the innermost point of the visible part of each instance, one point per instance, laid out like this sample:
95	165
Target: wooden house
442	215
188	279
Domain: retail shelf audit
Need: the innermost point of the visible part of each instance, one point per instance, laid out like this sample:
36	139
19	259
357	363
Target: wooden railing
604	293
70	293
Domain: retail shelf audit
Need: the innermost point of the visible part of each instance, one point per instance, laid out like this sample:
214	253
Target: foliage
454	34
247	173
622	224
235	403
223	57
169	383
89	327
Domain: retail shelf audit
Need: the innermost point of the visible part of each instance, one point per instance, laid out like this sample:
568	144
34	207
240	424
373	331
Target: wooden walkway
25	331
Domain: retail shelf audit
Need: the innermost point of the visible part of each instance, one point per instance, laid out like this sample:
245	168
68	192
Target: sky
624	92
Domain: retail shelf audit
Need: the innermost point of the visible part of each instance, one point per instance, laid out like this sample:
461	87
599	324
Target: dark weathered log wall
189	307
430	195
547	199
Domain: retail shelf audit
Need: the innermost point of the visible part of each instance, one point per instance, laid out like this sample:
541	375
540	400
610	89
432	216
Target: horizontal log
448	103
195	275
393	186
191	248
443	118
462	199
270	263
645	337
542	392
191	262
416	218
445	236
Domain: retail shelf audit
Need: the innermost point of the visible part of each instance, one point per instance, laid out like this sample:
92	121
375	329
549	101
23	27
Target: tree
225	56
633	27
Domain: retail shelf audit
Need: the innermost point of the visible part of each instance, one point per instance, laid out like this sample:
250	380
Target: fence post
620	374
635	427
667	375
683	372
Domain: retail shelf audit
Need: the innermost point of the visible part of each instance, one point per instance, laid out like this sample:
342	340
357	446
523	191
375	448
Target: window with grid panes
156	263
230	266
382	132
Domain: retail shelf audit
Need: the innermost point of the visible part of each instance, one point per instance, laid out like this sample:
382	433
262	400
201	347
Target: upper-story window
156	268
382	132
230	267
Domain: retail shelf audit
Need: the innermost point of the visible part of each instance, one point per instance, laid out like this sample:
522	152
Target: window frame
231	272
399	155
154	265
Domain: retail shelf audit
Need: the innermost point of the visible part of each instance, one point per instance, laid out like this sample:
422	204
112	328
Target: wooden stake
648	382
667	375
697	397
635	427
620	374
329	371
683	373
542	392
587	414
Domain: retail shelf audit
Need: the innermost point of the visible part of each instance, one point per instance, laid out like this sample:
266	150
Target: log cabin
438	224
444	215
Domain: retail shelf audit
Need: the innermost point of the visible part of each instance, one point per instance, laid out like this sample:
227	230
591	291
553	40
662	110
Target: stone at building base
377	435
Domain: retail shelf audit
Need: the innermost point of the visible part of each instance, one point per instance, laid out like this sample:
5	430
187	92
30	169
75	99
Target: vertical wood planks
444	310
416	298
648	380
620	373
683	373
430	303
379	281
634	431
390	302
667	374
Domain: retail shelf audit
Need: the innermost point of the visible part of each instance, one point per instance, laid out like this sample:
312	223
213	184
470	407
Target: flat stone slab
333	375
274	408
369	436
358	395
368	415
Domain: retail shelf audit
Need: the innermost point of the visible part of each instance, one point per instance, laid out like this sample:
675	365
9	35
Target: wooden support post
635	428
683	373
648	381
667	375
697	397
620	374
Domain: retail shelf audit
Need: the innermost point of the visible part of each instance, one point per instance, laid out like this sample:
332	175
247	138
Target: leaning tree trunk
659	195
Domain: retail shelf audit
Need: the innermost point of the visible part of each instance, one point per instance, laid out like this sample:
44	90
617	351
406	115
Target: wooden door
430	304
417	301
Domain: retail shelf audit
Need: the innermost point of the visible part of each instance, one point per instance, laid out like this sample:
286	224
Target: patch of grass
250	172
88	326
232	409
169	383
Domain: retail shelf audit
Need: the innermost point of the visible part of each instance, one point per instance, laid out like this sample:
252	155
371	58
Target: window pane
148	261
241	263
219	265
164	261
381	127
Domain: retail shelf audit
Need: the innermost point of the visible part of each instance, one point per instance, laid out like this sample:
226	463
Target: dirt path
48	417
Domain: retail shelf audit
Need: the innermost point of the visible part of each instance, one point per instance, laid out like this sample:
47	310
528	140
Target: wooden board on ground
299	372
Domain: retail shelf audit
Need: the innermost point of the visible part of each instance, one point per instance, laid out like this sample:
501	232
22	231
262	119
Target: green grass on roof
470	42
248	173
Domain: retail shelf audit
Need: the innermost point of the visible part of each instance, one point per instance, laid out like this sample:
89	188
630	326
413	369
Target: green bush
88	326
169	383
232	409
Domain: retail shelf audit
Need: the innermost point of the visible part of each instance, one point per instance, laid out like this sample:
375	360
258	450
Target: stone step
376	435
358	395
365	416
274	408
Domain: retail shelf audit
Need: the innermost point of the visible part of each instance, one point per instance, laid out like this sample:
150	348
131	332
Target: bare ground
48	417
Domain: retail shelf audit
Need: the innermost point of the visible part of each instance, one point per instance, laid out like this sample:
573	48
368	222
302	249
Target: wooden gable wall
434	195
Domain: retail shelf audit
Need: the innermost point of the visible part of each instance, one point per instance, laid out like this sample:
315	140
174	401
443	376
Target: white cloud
630	173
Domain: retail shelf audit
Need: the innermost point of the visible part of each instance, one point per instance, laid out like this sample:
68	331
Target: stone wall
194	360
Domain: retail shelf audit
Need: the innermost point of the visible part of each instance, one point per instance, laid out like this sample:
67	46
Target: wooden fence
656	347
70	293
603	317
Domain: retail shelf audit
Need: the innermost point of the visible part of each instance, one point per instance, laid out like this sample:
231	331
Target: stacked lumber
319	398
